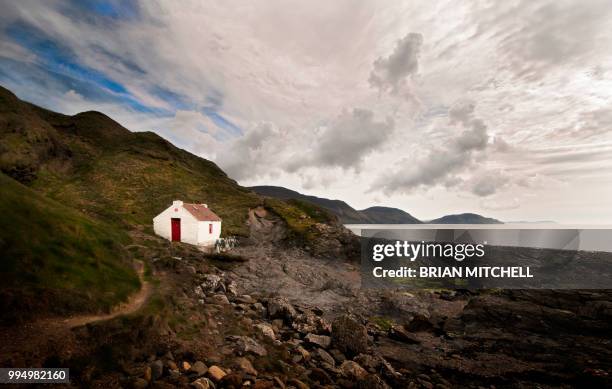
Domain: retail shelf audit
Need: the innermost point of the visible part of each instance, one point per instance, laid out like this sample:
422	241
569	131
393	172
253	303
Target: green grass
384	323
300	216
57	259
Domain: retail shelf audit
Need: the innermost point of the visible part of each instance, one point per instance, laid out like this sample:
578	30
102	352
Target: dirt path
26	345
132	305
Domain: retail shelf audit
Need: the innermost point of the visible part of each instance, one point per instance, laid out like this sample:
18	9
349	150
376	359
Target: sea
534	235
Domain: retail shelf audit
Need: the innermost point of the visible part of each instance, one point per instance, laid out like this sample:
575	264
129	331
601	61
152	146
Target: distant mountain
345	212
388	215
465	218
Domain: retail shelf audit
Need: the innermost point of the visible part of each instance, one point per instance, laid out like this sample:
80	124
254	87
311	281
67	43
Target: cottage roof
201	212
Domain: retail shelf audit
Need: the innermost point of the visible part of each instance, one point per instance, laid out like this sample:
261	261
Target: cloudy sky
497	107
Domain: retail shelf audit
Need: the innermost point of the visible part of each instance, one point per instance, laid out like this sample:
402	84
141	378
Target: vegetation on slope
55	259
301	217
93	163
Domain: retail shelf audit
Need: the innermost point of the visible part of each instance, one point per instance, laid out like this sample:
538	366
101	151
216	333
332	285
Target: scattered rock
352	370
317	374
219	299
185	366
171	365
309	322
281	308
232	380
232	288
216	373
325	356
140	383
199	368
245	299
157	369
266	330
297	383
279	383
303	354
371	381
147	373
337	354
401	334
210	282
203	383
246	366
368	362
349	335
249	345
319	340
263	384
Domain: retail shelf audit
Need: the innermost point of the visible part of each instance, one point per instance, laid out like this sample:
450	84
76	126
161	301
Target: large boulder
349	335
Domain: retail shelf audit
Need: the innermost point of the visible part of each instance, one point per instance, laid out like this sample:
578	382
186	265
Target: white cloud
513	88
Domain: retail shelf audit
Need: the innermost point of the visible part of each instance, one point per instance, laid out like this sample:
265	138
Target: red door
176	229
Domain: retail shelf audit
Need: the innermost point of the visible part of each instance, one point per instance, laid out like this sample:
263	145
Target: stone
303	354
232	380
297	383
266	330
324	356
281	308
232	288
203	383
199	368
199	292
210	282
263	384
190	269
185	366
279	383
368	362
147	373
317	374
337	354
246	366
216	373
219	299
349	335
372	381
352	370
250	345
309	322
401	334
171	365
140	383
320	340
244	299
157	369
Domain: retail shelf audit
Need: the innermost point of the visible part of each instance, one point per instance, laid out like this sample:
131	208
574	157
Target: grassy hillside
94	164
53	258
387	215
345	212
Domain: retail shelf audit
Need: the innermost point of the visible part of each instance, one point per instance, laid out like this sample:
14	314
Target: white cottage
189	223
